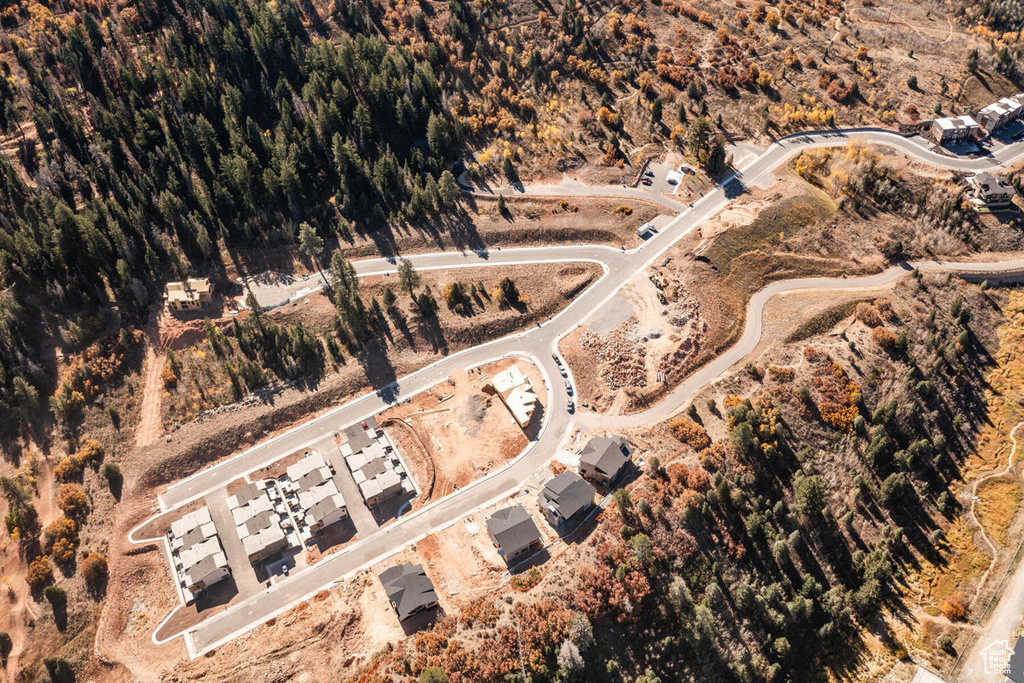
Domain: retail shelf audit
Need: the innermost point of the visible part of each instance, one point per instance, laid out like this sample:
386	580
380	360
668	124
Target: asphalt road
540	343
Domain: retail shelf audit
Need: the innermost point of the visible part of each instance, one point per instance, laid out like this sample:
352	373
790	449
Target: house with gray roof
604	459
409	589
514	532
356	437
314	478
566	499
326	512
991	190
206	572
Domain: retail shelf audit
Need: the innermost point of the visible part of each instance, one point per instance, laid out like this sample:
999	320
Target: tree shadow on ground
380	372
429	327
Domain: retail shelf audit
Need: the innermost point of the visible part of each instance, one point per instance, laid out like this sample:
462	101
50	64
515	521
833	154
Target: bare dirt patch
320	639
278	468
457	432
465	562
152	393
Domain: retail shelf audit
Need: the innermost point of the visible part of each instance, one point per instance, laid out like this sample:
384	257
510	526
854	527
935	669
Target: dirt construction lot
458	432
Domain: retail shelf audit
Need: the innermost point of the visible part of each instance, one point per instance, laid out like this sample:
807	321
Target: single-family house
189	294
604	458
409	589
206	572
202	565
356	437
998	114
326	512
264	541
990	189
955	129
516	392
566	499
993	117
514	532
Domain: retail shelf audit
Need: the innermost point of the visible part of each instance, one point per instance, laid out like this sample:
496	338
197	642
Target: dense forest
142	141
231	126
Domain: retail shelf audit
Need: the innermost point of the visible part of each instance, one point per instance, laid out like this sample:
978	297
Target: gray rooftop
513	528
311	479
568	493
408	587
201	569
1015	668
259	522
248	493
606	455
374	467
356	437
321	510
192	537
991	183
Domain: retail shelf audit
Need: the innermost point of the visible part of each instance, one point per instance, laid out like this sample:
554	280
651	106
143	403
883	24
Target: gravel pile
622	358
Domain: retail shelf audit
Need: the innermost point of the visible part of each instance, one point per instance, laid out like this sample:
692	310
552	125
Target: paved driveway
241	570
361	517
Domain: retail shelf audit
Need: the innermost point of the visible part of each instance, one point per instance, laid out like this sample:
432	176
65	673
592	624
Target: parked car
568	387
562	370
570	407
555	356
646	181
649	173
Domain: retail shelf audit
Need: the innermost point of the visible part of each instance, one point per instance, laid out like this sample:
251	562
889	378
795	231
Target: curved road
538	343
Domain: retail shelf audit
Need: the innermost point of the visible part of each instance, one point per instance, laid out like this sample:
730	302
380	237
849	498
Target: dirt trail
22	608
21	613
149	418
1006	616
893	16
974	500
